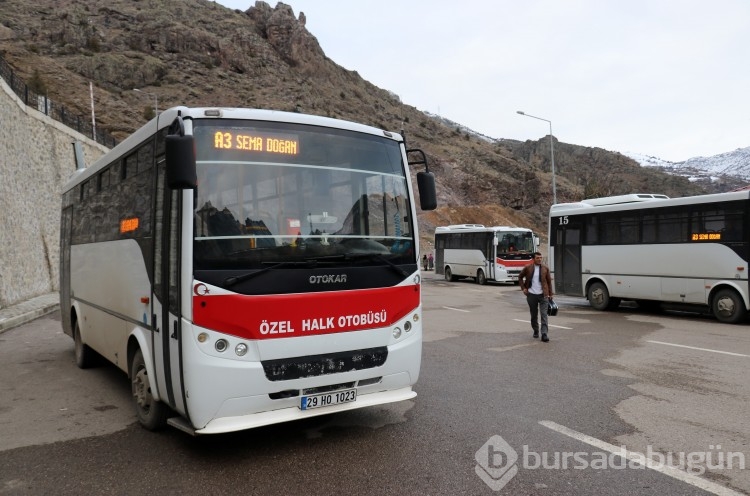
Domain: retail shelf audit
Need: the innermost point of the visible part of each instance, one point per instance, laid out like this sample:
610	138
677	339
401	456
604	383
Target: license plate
328	399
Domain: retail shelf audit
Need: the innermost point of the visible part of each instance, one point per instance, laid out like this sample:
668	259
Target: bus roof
459	226
478	228
632	198
641	201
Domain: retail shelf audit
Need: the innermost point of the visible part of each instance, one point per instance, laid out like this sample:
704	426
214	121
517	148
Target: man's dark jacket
524	279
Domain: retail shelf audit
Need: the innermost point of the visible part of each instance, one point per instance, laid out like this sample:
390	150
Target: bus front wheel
152	414
728	307
449	275
481	279
599	297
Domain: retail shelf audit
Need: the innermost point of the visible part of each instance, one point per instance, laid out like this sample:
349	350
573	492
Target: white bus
247	267
653	249
485	253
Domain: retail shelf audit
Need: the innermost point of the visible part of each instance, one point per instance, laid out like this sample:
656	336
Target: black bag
552	308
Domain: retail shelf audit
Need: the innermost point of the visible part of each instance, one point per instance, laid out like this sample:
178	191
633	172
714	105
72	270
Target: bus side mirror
181	172
425	180
427	192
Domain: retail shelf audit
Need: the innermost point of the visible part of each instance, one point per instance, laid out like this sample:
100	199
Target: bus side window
733	229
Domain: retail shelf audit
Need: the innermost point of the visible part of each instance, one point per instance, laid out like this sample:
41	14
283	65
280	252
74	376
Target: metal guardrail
58	112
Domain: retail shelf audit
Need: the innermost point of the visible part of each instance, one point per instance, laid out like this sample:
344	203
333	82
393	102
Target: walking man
536	284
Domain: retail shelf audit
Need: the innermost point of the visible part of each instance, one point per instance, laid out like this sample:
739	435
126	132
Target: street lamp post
156	99
551	151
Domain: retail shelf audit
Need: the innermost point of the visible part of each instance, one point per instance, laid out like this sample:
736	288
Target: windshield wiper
312	262
231	281
367	256
378	257
309	262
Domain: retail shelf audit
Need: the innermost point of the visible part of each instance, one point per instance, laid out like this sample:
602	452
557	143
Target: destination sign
129	225
706	237
256	142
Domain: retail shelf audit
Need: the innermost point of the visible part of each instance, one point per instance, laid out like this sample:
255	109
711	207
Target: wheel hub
725	305
597	296
141	388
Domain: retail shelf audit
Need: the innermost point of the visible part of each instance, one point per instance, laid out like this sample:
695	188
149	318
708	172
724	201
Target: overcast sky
668	78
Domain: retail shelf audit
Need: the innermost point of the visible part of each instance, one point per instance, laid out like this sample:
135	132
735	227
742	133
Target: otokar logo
496	463
328	279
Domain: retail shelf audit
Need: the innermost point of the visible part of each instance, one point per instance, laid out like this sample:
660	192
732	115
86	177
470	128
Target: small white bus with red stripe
247	267
496	253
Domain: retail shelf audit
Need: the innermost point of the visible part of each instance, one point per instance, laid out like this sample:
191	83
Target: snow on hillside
459	127
734	166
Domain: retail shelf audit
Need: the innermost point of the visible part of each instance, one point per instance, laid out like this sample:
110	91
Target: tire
152	414
449	275
598	297
481	279
85	356
728	307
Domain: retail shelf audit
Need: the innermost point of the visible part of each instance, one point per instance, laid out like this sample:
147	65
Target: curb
27	315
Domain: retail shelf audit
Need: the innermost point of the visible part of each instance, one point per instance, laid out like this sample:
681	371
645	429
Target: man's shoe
536	334
545	339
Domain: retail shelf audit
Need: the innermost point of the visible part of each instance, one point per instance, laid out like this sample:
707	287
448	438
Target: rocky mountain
723	172
199	53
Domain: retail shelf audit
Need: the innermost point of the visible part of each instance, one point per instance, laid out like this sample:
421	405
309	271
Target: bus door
567	255
166	319
493	254
66	226
439	254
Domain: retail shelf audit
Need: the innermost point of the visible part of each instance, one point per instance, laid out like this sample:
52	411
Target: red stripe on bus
514	263
283	316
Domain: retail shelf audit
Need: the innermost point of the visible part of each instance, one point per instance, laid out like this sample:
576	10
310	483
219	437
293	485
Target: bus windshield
277	192
515	242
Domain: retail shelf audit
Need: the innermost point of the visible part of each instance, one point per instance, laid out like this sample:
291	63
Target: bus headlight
407	326
240	349
221	345
396	332
202	337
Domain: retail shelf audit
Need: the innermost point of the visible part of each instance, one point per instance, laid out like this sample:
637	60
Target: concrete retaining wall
36	159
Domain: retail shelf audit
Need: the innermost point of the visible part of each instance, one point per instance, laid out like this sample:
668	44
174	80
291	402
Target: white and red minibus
247	267
496	253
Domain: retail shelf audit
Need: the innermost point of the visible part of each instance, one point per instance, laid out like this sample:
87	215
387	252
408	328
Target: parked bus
653	249
485	253
247	267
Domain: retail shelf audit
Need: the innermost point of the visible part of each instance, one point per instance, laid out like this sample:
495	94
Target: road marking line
548	325
514	347
457	309
699	349
640	458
